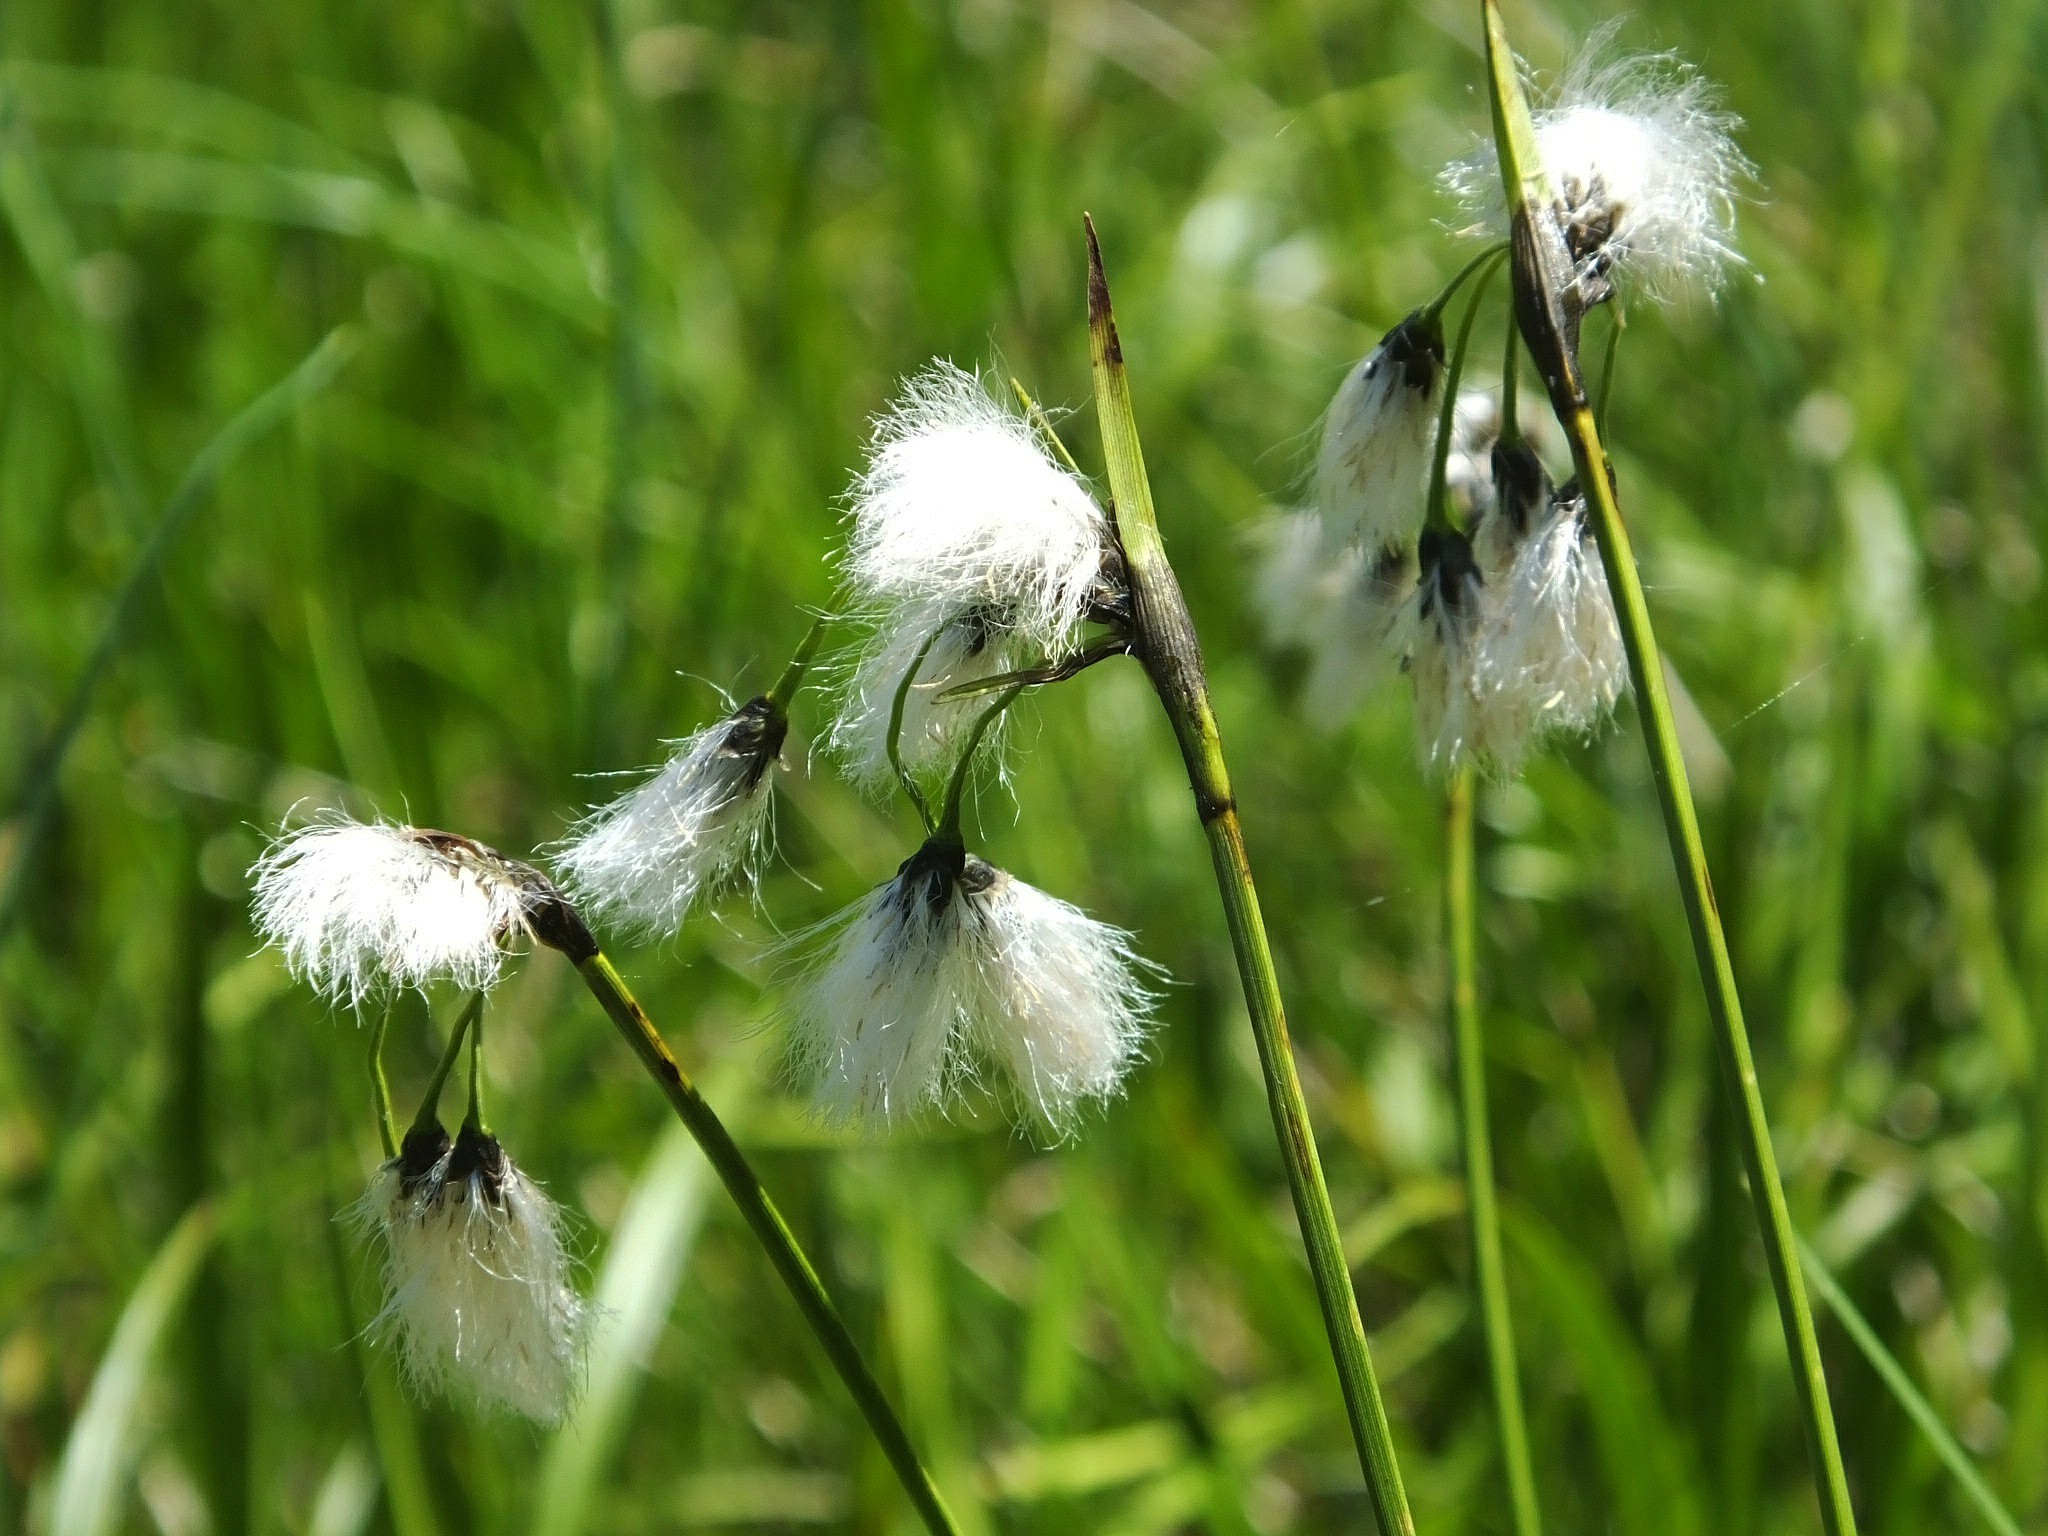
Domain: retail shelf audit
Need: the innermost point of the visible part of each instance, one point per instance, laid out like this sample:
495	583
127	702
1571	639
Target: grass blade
99	1454
39	789
635	1291
1918	1409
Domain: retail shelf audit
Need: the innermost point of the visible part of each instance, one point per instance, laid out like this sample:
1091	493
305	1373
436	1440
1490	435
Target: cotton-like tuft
968	648
479	1296
1645	166
360	907
1439	630
1339	607
694	826
961	509
1551	644
1373	464
953	964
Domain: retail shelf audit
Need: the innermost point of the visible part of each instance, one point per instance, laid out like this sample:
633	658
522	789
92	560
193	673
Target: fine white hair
954	963
961	507
1340	607
1551	643
1374	456
1643	160
1437	632
694	826
479	1293
963	649
358	908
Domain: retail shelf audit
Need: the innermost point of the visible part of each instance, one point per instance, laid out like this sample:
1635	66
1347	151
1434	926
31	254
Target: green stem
473	1118
1543	310
1442	301
380	1085
1165	642
896	708
773	1233
956	787
1481	1204
1447	411
1615	326
430	1105
784	692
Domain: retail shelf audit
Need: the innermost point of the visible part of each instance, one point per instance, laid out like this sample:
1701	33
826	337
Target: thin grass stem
430	1102
1482	1208
380	1085
897	705
1164	641
768	1226
1909	1397
783	694
1546	310
1447	410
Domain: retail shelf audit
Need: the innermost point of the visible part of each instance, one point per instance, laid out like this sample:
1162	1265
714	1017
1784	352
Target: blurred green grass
626	284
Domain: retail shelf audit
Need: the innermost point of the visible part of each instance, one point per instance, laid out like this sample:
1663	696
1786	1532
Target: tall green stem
560	927
1165	642
1481	1206
1546	310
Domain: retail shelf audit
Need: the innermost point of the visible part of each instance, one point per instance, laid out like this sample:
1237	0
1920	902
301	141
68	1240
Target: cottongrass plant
480	1300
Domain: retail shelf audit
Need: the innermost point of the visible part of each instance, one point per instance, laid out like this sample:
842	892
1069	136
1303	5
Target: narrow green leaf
1900	1384
635	1291
99	1454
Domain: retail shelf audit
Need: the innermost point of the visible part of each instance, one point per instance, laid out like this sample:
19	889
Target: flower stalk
1165	643
1481	1203
559	926
1548	308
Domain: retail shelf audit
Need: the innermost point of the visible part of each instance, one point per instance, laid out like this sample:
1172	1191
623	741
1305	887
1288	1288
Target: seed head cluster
479	1293
1643	161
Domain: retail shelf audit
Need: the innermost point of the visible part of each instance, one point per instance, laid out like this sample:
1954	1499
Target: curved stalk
1164	641
1489	1271
380	1085
1547	310
784	691
558	925
429	1114
896	708
1447	412
956	787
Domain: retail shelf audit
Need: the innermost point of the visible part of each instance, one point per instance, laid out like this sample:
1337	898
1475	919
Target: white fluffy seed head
961	509
479	1292
1438	633
1645	167
358	908
952	964
967	649
1551	646
1374	457
1468	467
699	823
1340	607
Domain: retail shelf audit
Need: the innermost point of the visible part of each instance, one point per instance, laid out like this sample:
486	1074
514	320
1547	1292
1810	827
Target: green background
623	287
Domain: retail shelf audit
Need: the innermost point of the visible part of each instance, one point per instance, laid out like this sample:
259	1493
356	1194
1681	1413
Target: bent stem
1489	1272
773	1233
380	1085
1165	642
1546	310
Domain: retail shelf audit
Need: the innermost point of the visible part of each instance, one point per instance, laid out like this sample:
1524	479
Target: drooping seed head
954	964
479	1292
1373	462
358	907
697	824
